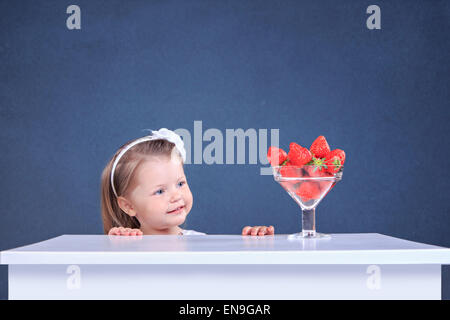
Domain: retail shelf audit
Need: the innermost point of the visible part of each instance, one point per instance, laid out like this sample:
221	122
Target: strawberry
276	156
288	171
340	153
320	147
298	155
335	160
308	190
319	171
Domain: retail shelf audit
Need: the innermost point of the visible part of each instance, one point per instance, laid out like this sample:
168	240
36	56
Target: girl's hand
258	231
121	231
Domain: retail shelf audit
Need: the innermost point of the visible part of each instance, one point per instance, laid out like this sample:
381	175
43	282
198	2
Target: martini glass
307	185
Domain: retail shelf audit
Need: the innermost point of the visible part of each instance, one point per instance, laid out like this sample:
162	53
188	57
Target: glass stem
309	223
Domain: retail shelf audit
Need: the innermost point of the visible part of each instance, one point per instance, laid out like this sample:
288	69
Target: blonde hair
112	214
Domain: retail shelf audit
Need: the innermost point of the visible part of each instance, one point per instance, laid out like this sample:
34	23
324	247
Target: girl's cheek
186	192
189	197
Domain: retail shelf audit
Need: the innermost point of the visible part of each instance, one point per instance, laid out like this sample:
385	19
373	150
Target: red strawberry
288	171
298	155
308	190
340	153
320	147
314	172
319	172
335	160
333	164
276	156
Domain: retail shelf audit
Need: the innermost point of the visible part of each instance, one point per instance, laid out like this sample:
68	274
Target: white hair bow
171	136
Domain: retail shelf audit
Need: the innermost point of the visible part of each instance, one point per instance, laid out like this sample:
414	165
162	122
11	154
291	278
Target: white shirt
192	233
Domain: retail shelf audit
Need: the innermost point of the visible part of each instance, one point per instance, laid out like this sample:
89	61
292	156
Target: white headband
164	134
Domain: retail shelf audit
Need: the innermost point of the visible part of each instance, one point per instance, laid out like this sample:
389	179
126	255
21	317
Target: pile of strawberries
317	161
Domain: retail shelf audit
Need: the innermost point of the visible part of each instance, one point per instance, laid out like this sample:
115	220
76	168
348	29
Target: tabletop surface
368	248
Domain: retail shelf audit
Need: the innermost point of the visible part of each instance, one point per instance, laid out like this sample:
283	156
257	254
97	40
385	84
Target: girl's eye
160	191
180	184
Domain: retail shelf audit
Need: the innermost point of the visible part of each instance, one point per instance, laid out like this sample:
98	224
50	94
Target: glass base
308	235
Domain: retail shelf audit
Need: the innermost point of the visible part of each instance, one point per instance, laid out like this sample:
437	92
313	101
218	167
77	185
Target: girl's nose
175	196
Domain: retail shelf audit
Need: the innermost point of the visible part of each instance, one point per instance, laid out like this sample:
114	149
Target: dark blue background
309	68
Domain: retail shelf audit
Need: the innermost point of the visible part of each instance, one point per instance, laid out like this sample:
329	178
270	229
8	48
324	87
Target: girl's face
159	195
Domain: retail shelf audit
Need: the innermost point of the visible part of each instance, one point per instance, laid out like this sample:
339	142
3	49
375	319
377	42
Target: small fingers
135	232
269	231
121	231
255	230
262	231
246	230
113	231
258	231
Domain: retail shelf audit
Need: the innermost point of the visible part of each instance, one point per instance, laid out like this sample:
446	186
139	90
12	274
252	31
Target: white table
347	266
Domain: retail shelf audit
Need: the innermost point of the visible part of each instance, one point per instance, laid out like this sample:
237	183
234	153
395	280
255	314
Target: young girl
144	190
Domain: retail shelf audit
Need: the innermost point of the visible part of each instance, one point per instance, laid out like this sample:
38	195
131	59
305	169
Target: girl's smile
176	210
